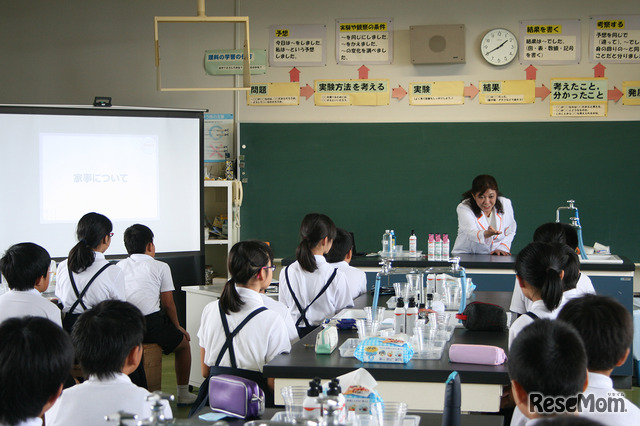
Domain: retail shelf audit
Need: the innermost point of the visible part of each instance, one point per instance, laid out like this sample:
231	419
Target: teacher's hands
498	252
491	232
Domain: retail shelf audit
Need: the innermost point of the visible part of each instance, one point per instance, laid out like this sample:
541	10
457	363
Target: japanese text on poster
437	93
351	92
297	45
579	97
550	42
364	41
631	90
274	94
231	61
507	92
218	137
615	39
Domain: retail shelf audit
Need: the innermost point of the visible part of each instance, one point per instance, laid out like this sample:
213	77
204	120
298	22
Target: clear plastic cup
369	314
389	413
367	328
293	397
402	290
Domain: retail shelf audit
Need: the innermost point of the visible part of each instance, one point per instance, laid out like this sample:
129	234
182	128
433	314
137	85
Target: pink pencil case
477	354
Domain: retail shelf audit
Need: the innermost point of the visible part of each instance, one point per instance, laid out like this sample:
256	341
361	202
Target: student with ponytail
540	272
238	334
86	278
311	288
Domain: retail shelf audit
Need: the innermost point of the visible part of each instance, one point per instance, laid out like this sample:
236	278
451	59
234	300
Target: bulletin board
369	177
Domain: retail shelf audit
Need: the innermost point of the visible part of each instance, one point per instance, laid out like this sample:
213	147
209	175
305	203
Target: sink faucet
575	222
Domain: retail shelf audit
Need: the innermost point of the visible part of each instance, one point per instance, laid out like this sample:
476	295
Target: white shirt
537	308
356	278
88	402
261	339
470	237
283	311
34	421
306	286
144	279
16	303
521	304
601	386
108	285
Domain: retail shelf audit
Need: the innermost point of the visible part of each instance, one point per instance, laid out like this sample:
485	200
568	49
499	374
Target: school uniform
601	386
283	311
307	285
108	285
16	303
521	304
34	421
89	402
264	337
471	240
519	324
356	279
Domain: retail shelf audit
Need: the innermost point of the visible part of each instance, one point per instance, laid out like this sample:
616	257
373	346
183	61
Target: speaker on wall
437	44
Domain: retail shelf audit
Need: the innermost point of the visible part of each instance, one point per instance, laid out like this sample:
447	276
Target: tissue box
358	399
384	349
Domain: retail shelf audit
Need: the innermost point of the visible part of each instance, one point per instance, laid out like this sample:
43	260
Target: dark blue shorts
160	330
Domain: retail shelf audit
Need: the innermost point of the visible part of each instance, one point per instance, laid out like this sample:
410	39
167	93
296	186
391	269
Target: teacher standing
486	224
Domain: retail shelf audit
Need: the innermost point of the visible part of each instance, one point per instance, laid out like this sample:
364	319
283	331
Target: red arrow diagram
307	91
531	72
363	73
398	92
598	70
471	91
615	94
542	92
294	75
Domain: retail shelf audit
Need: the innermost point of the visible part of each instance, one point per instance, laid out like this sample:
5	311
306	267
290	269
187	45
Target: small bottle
429	301
413	243
431	283
386	242
335	391
438	247
393	242
311	408
411	316
422	311
399	317
445	247
431	248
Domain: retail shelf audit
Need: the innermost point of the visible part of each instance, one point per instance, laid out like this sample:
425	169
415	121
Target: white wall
68	51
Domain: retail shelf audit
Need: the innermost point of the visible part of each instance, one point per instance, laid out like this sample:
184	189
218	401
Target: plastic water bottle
413	243
386	242
393	242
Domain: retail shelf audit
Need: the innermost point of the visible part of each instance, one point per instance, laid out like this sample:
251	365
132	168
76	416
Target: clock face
499	46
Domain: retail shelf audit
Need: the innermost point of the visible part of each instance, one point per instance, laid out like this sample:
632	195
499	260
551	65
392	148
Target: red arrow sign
531	72
615	94
542	92
307	91
294	75
363	73
471	91
398	92
598	70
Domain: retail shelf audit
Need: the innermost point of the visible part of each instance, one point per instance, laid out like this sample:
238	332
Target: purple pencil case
477	354
235	396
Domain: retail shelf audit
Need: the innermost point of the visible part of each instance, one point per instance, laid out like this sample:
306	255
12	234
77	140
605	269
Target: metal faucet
157	410
575	222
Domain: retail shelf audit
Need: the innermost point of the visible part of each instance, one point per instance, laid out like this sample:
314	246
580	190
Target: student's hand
499	252
491	232
186	334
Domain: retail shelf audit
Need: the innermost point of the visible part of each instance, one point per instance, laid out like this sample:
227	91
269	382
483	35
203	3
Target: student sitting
547	360
283	311
311	288
108	343
340	256
149	286
26	269
35	359
561	233
539	271
606	329
238	334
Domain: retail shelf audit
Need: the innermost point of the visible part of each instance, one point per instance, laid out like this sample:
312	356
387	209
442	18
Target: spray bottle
413	243
438	247
335	392
431	248
411	316
445	247
311	408
399	317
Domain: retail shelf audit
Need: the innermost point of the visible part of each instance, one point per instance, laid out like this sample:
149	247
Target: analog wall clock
499	46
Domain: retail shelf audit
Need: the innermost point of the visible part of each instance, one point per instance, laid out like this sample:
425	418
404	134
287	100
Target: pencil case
476	354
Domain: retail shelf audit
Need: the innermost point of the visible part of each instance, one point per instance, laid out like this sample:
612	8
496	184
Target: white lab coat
470	239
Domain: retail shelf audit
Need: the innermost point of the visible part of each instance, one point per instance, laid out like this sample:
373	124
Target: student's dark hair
342	243
571	267
314	227
555	232
23	264
548	357
92	228
480	185
605	326
136	238
36	356
105	335
245	260
568	420
540	265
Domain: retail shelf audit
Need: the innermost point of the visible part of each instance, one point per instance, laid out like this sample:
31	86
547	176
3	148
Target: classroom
371	163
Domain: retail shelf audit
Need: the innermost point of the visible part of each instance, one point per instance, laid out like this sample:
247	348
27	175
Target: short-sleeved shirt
145	278
356	278
16	303
520	304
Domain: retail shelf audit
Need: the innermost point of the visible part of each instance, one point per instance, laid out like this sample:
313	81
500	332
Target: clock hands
498	47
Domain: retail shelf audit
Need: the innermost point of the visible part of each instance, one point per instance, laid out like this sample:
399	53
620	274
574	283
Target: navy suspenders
303	312
84	290
228	344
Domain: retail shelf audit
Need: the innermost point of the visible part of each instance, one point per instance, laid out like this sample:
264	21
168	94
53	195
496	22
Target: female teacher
485	220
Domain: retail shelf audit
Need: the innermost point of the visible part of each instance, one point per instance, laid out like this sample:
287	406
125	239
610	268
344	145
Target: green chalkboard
369	177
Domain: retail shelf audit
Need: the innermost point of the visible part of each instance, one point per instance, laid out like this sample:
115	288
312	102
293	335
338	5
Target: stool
152	358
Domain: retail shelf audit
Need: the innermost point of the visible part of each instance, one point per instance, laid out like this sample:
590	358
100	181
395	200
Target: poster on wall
218	137
297	45
550	42
579	97
615	39
364	41
231	61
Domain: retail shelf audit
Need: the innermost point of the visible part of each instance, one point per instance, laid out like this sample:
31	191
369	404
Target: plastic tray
348	348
